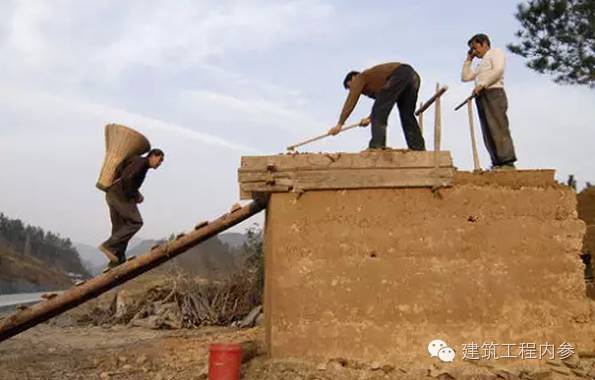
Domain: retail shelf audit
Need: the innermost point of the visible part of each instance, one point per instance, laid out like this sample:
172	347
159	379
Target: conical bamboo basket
120	143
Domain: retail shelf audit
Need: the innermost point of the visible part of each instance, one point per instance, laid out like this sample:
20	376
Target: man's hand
336	129
140	198
470	55
365	122
478	89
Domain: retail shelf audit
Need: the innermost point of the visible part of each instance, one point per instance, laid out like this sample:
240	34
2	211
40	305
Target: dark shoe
113	264
113	258
378	149
505	167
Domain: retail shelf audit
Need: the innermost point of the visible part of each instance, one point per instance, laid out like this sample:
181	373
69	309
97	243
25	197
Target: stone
336	364
142	359
124	301
151	322
375	366
259	320
250	319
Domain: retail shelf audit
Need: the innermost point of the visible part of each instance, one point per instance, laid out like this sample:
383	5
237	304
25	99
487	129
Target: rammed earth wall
376	274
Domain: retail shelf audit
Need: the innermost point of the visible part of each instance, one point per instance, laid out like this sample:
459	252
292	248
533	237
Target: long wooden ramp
42	311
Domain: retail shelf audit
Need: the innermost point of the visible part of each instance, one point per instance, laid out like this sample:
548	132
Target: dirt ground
120	352
117	352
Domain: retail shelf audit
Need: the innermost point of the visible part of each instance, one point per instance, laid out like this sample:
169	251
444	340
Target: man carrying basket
122	198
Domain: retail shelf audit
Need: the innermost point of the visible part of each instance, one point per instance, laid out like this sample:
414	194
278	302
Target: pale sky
210	81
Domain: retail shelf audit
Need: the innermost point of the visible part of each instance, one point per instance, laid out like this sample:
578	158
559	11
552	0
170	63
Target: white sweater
490	71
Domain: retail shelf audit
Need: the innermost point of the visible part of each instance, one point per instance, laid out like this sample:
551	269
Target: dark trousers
401	87
492	105
126	221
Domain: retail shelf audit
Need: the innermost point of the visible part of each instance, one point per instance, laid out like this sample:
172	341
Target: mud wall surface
376	274
586	212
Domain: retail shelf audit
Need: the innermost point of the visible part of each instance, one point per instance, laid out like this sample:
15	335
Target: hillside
222	256
233	239
211	259
92	259
21	274
32	241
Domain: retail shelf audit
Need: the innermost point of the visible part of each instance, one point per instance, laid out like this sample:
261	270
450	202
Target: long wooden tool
427	104
437	130
476	166
420	121
44	310
465	101
292	147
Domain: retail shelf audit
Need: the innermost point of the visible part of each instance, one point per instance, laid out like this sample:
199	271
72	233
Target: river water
8	302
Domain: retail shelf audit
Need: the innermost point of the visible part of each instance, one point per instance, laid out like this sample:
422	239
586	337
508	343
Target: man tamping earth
122	199
387	84
491	100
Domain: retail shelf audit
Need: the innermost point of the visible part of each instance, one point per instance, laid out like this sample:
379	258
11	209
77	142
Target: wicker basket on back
120	143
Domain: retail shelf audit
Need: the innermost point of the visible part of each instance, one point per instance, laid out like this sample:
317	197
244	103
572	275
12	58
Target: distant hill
24	274
141	247
92	258
212	259
26	246
233	239
95	261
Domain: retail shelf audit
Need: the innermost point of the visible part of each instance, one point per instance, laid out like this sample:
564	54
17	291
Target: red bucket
225	360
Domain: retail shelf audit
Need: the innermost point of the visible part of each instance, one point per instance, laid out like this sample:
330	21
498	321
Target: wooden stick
42	311
292	147
427	104
465	101
437	130
421	119
476	166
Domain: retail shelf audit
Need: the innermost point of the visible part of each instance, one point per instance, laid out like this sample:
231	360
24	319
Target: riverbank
8	302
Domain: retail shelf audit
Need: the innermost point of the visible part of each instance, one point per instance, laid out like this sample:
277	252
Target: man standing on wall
387	84
491	100
122	199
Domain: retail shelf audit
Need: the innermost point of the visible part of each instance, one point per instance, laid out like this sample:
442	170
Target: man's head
155	157
480	43
348	78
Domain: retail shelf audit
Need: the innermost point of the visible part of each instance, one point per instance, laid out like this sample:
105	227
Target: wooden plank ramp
159	254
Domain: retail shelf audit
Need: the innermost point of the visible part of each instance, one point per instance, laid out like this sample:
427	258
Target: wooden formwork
324	171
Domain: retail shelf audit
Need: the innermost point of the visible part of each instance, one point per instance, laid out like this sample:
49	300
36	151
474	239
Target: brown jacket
130	176
368	82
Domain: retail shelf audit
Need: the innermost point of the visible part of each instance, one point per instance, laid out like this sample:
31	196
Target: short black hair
480	38
155	152
348	77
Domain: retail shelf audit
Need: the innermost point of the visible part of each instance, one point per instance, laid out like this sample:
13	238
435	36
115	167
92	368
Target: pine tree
558	37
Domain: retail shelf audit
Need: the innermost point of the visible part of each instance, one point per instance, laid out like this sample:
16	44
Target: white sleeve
498	64
467	74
